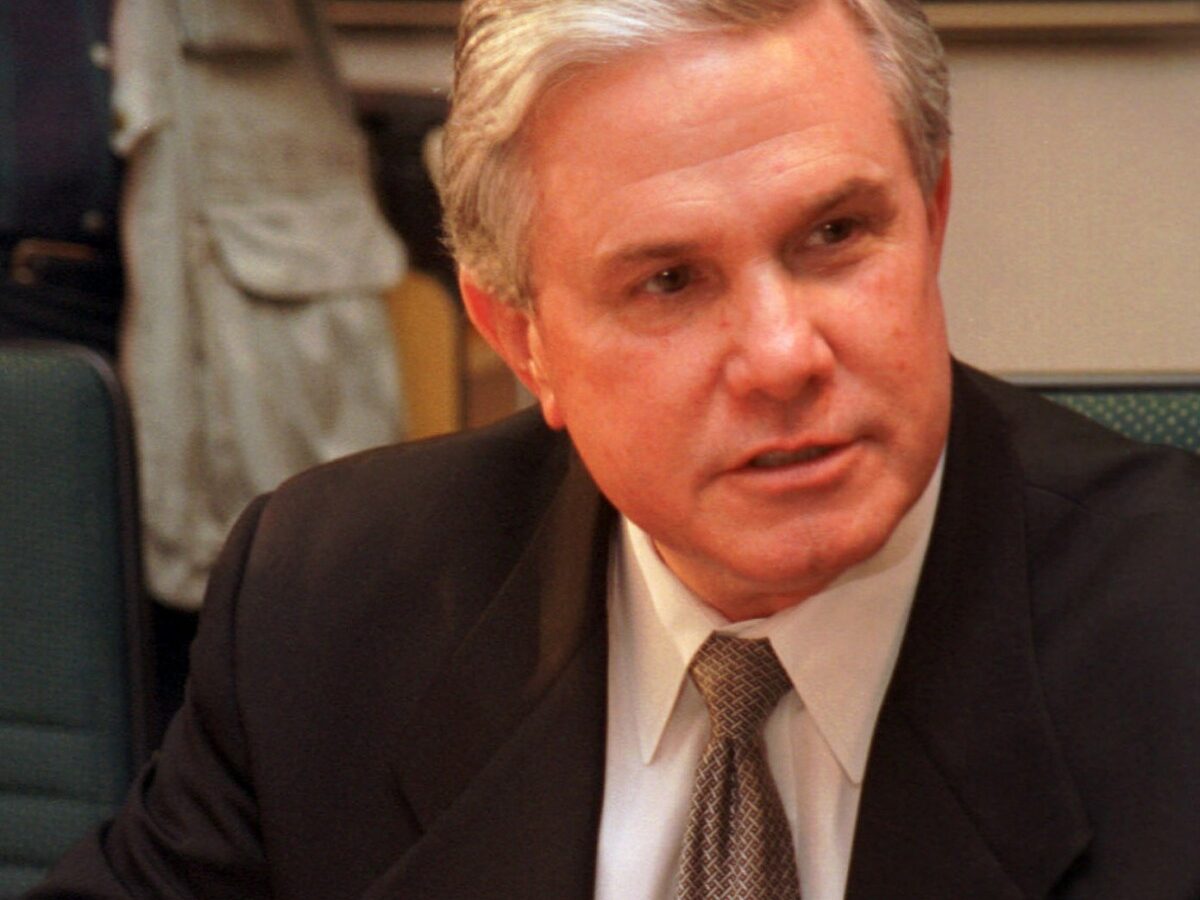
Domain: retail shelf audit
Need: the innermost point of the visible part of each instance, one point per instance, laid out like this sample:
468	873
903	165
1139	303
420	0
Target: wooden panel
948	16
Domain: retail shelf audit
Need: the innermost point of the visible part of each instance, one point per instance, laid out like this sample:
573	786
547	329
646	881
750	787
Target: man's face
736	311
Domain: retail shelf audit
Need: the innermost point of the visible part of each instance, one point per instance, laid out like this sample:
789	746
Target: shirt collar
838	647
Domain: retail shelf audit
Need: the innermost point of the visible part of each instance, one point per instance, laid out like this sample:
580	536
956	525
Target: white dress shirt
839	648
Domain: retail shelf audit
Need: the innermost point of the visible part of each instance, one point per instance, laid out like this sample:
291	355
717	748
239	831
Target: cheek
902	306
890	341
613	366
594	382
870	320
634	405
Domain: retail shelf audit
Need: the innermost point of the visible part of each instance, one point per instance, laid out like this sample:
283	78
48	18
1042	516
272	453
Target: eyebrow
639	253
867	188
636	254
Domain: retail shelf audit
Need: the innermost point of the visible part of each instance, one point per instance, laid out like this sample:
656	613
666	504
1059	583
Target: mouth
777	459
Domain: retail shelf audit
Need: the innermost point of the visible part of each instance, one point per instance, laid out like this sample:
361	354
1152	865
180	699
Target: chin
812	562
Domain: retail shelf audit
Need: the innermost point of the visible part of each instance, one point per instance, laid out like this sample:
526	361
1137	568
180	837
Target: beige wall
1075	235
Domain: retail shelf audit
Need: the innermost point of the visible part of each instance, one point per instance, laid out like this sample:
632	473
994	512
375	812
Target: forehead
719	119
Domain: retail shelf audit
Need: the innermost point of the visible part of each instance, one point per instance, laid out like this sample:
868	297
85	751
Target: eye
669	281
833	232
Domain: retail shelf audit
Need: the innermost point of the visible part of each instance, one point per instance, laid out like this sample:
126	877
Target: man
706	235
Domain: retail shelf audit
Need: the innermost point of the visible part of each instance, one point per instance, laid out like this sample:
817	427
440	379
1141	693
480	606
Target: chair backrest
1158	409
73	663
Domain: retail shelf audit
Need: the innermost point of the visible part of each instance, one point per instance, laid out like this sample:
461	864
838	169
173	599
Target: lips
774	459
787	469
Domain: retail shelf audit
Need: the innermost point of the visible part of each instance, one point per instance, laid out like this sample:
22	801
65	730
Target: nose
777	348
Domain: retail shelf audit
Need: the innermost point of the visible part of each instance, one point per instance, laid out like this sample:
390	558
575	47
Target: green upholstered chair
1158	409
73	657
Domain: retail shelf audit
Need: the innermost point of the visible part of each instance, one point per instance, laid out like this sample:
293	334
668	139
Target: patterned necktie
738	845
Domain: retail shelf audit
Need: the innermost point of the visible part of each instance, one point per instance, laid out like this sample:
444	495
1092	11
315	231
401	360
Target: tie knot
741	681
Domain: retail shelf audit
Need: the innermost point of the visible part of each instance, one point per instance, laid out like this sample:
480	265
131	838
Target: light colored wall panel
1075	235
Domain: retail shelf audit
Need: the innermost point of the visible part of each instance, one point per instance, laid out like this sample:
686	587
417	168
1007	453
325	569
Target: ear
514	334
938	208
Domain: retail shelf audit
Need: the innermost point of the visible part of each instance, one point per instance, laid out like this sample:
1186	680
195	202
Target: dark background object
396	126
60	269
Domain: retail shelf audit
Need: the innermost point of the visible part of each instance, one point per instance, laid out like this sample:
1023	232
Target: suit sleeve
189	827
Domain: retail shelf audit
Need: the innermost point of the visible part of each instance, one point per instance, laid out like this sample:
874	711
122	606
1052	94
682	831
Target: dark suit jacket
398	689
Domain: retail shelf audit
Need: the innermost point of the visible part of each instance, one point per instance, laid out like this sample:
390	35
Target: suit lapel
966	792
503	762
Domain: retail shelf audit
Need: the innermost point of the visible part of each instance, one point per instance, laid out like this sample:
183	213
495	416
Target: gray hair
510	52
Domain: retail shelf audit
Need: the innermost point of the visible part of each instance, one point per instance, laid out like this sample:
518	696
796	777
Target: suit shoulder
489	469
392	553
1110	532
458	506
1065	455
